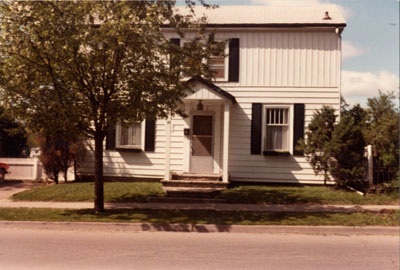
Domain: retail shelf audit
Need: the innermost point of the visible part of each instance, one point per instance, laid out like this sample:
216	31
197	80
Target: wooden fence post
370	166
35	168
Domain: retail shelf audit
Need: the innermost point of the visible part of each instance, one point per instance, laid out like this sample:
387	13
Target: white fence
28	169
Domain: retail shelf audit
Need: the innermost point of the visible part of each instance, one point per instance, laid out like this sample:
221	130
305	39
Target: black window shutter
150	135
174	61
298	127
256	116
234	60
110	139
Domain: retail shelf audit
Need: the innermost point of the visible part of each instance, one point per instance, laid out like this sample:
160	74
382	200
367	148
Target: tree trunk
98	174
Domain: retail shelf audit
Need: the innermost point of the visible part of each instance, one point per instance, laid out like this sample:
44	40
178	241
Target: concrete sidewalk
205	206
203	228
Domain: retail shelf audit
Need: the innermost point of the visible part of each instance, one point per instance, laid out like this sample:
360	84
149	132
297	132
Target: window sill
276	153
129	149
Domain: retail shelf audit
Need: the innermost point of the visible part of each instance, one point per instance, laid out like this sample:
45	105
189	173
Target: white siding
131	164
246	167
276	67
287	59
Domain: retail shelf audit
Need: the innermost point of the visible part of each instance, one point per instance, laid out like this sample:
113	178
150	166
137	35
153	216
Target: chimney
326	17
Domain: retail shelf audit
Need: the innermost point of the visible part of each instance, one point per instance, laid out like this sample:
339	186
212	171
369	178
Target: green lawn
201	217
78	192
139	191
303	195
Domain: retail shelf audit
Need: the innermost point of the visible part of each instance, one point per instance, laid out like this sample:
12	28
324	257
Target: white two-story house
283	63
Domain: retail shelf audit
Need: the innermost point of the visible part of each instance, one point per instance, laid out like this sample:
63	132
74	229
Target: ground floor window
277	131
129	136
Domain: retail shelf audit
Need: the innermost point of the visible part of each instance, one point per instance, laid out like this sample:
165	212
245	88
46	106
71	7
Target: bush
347	149
318	137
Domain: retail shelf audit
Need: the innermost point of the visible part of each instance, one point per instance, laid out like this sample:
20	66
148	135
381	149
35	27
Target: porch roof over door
206	90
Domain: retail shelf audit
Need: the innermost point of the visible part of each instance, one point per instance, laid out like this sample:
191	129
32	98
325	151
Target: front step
184	200
194	184
190	192
197	177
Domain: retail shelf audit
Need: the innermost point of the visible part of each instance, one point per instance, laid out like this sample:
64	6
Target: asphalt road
80	249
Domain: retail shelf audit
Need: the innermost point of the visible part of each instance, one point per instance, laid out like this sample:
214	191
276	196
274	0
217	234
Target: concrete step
192	192
194	183
197	176
184	200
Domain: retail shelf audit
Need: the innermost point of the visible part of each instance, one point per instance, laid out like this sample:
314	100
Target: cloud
286	2
350	50
346	13
357	86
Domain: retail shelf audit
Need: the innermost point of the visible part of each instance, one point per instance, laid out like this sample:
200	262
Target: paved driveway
8	188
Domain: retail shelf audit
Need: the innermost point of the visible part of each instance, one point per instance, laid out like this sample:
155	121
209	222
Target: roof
213	88
269	16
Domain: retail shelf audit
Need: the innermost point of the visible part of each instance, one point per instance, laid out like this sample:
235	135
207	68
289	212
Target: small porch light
200	106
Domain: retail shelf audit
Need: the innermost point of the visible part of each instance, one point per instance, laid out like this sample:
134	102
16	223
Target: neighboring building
283	64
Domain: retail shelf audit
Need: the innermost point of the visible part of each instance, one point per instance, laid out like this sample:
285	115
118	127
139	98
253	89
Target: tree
347	149
316	146
91	65
12	137
382	131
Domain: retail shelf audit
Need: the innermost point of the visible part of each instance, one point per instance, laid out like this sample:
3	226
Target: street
84	249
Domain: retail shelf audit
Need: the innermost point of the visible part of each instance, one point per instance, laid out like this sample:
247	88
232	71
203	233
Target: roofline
270	25
213	87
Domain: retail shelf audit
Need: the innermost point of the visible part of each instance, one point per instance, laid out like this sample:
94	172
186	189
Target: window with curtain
276	129
129	136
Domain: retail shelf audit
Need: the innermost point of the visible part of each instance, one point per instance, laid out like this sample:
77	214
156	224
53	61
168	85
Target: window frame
140	146
264	129
226	64
226	61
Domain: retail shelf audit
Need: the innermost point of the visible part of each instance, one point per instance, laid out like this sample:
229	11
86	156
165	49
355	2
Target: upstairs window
226	68
217	65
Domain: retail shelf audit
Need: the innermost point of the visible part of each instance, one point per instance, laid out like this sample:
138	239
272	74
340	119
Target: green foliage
86	65
59	153
155	217
123	192
302	195
13	138
318	137
347	164
382	131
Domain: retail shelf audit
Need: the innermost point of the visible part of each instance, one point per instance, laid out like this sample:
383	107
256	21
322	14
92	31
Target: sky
370	43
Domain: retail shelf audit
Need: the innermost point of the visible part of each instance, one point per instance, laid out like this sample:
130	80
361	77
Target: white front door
201	160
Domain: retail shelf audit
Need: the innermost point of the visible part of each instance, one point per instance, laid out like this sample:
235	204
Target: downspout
167	173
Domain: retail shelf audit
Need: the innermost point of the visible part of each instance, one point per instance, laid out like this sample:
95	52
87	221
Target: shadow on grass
274	196
139	198
196	220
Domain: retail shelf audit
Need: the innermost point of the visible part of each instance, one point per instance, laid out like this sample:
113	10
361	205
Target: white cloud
350	50
346	13
358	86
286	2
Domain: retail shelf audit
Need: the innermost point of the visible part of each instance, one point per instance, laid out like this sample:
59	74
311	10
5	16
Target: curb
202	228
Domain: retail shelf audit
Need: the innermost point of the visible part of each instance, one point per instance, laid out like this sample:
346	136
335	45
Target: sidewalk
204	206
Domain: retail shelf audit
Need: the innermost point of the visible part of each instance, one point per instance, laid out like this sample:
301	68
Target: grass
79	192
201	217
139	191
303	195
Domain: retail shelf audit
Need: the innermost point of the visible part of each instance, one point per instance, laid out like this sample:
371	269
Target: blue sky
370	44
